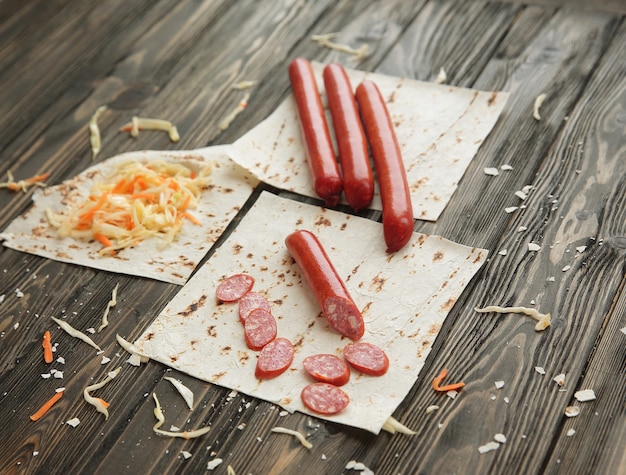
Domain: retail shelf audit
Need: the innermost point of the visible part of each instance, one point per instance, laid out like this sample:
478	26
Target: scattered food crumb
623	330
521	229
442	77
283	430
325	41
585	395
550	279
566	268
503	252
521	195
511	209
73	422
533	246
572	411
538	103
499	384
570	432
431	409
105	360
493	398
452	394
358	466
581	249
506	167
543	320
559	379
506	400
283	413
488	447
491	171
186	454
500	438
214	463
540	370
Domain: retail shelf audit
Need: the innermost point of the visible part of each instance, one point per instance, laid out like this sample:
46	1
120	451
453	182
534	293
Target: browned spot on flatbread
323	221
193	344
218	376
343	226
243	357
434	329
225	349
149	336
237	248
447	305
249	255
438	256
286	401
479	258
193	307
211	331
366	308
377	283
298	344
492	98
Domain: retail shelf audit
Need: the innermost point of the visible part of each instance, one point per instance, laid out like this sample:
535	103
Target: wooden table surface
61	59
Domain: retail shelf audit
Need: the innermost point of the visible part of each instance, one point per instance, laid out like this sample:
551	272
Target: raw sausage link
329	290
321	156
327	368
367	358
324	398
394	189
252	301
358	180
259	329
274	359
234	287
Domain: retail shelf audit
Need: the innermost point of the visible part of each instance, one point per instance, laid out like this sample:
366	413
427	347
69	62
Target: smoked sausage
358	179
327	368
324	398
367	358
394	188
327	179
274	359
328	288
234	287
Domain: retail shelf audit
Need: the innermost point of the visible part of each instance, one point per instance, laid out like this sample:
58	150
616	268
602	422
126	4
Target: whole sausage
321	156
328	288
358	179
392	181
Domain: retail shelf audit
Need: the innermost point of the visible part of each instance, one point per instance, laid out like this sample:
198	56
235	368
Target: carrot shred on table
46	406
448	387
105	241
23	185
47	347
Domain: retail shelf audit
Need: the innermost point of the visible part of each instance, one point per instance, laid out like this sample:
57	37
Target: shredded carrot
106	242
47	347
448	387
191	218
103	402
46	406
137	201
24	184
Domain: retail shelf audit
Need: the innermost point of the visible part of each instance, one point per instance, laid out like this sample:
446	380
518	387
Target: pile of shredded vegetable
138	201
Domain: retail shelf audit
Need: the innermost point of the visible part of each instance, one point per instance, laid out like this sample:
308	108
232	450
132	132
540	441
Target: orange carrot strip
88	215
46	406
449	387
191	218
37	178
103	402
105	241
119	186
185	203
128	127
47	347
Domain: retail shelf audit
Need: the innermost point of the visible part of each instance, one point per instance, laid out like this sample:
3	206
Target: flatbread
439	128
403	310
230	187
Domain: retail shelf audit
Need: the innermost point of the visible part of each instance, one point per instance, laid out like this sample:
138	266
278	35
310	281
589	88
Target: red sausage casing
321	156
358	180
390	171
328	288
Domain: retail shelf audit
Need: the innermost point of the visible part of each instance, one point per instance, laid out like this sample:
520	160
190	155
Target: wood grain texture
177	60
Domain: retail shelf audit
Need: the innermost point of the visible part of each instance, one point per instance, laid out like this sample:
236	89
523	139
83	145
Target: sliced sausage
274	359
321	156
259	328
327	368
394	188
252	301
328	288
234	287
324	398
367	358
358	179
